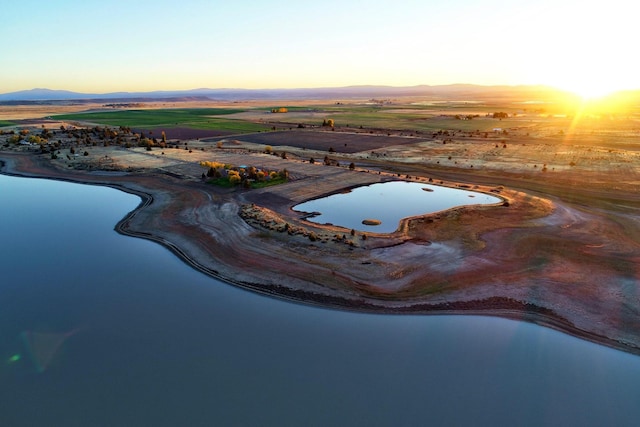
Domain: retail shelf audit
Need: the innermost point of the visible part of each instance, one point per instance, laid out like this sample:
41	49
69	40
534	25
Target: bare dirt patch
183	133
340	142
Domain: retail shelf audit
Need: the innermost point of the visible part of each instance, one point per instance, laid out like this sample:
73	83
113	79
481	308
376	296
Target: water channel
124	333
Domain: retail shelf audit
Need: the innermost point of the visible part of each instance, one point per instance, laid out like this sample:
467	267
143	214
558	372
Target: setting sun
585	77
590	90
592	87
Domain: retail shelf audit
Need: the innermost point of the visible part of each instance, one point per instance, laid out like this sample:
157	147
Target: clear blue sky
103	46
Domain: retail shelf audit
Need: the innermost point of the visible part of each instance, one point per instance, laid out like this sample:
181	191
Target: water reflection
387	203
164	345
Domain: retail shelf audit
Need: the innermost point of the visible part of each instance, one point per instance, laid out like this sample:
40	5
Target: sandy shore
520	262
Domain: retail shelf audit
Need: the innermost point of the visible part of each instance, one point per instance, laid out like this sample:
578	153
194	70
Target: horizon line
297	88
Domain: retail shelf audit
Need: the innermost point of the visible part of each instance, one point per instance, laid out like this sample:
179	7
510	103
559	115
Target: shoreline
31	166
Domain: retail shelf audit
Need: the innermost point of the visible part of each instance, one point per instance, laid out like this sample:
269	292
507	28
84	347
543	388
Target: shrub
214	165
284	174
234	177
34	139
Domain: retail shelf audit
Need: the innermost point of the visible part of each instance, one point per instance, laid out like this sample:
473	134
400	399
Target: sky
142	45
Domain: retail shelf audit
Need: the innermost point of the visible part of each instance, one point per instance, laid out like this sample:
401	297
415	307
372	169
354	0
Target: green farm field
196	118
410	118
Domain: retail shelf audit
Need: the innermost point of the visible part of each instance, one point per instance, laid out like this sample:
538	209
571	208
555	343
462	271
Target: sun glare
589	86
592	82
591	90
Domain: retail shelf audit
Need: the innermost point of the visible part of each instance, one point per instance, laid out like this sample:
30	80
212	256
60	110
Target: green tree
34	139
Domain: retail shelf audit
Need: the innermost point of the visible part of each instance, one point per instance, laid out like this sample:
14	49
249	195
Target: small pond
388	203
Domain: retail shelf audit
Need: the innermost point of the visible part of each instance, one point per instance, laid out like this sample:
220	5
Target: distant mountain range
457	91
450	92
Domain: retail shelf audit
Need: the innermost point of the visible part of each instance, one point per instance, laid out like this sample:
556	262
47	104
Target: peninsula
560	249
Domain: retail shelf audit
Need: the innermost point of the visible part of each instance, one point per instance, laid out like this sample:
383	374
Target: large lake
388	203
155	343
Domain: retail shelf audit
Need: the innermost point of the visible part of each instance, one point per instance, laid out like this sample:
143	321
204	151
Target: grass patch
196	118
225	183
271	182
222	182
410	118
4	123
417	122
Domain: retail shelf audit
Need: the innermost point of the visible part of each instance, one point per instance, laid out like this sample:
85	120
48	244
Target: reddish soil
181	133
341	142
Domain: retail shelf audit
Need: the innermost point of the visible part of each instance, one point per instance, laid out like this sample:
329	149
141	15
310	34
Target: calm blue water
159	344
388	202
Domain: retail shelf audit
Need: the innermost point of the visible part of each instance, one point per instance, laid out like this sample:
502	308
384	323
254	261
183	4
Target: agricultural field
214	119
424	119
338	142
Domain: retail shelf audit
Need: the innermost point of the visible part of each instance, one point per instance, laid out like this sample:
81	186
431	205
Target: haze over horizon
98	47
